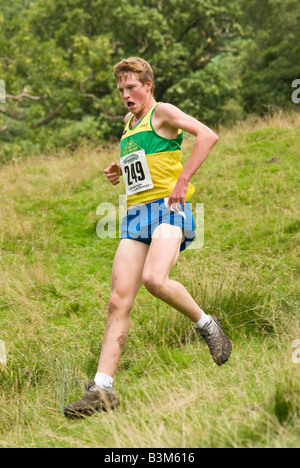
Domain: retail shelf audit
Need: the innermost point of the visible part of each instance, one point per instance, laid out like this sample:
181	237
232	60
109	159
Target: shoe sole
88	411
71	414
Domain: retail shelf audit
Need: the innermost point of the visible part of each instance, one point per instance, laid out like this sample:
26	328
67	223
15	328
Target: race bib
136	172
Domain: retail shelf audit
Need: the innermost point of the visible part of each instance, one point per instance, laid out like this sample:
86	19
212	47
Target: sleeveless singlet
150	163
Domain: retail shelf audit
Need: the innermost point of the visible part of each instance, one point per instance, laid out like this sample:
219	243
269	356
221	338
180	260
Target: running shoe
219	344
94	400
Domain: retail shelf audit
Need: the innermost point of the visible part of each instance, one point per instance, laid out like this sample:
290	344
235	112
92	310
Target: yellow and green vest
163	157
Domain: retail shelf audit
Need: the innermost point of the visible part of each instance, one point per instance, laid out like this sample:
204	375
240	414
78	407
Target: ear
149	85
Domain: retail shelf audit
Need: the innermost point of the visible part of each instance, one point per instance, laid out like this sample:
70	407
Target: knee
119	305
153	284
113	303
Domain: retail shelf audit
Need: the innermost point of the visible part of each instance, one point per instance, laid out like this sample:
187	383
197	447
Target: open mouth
130	104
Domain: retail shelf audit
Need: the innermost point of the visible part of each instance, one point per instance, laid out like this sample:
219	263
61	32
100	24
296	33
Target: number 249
135	172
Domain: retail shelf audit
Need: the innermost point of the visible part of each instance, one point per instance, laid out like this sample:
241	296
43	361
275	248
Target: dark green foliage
286	401
57	62
215	59
272	58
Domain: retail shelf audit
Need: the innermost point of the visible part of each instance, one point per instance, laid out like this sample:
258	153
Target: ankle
104	381
203	321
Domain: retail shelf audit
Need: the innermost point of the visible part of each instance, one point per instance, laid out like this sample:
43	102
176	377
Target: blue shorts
142	220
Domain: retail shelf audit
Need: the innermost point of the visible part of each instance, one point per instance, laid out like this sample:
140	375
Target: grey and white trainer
94	400
219	344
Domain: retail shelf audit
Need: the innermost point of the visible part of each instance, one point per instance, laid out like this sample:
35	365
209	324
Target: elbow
208	136
214	138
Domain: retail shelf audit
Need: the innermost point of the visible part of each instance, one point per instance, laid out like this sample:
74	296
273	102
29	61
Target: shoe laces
210	332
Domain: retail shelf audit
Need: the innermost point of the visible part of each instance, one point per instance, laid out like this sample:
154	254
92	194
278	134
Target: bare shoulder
127	117
164	121
166	110
170	116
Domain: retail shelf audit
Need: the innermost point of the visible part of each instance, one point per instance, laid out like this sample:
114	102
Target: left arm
171	116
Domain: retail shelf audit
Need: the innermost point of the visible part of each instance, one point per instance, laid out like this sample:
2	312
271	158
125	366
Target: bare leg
136	262
126	282
162	257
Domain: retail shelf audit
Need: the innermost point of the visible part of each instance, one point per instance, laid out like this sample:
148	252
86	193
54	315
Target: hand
113	173
179	193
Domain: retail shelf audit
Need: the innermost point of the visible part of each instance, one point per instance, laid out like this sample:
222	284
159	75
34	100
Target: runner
158	225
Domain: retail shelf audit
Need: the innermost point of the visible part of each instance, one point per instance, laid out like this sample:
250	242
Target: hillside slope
55	285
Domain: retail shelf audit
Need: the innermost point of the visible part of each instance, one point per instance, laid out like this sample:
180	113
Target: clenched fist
113	173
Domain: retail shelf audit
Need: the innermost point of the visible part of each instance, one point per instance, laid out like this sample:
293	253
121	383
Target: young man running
158	225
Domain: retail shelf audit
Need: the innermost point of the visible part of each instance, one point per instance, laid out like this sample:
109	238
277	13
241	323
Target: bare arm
113	171
172	117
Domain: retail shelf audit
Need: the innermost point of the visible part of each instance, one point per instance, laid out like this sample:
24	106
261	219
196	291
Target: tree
272	57
183	45
57	61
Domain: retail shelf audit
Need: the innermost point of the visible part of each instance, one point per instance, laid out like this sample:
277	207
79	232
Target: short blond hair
137	65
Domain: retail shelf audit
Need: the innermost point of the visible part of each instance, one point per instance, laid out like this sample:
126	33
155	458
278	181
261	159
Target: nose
126	94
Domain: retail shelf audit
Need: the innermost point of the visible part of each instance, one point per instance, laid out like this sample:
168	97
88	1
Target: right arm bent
113	173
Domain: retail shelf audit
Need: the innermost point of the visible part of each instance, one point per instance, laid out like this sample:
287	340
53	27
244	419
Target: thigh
128	267
163	251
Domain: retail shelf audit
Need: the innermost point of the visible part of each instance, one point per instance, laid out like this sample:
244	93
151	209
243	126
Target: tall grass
55	284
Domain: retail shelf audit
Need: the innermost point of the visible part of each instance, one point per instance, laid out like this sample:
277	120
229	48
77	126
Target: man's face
133	93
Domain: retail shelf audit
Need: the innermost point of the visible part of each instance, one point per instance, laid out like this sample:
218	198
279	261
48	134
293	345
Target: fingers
176	204
113	178
114	182
177	197
176	201
112	173
112	168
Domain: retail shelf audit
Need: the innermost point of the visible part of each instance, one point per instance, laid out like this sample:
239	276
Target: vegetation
218	60
55	284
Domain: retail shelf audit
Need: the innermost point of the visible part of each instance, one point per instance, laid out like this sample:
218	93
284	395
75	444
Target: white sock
103	381
203	321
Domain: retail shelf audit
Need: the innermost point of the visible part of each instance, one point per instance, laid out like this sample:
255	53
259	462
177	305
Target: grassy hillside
55	284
